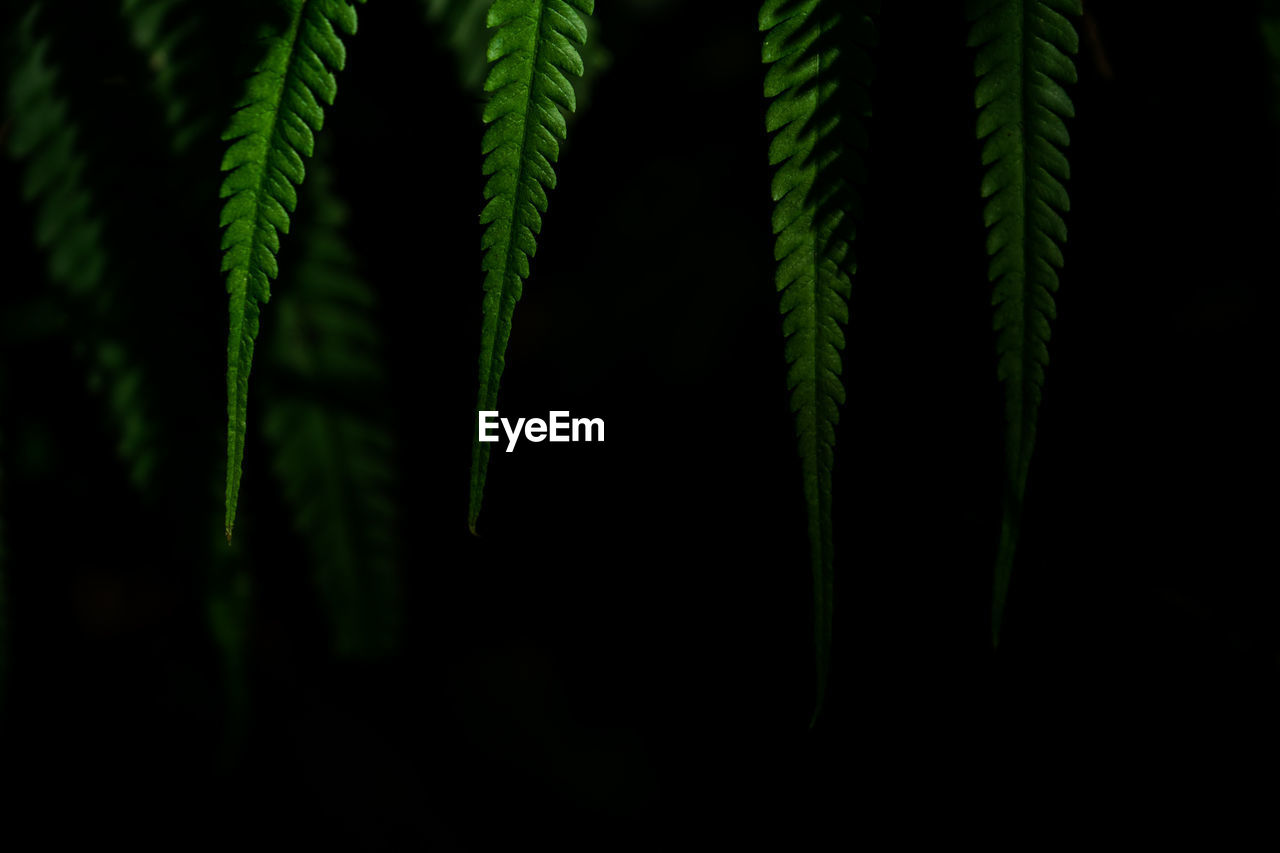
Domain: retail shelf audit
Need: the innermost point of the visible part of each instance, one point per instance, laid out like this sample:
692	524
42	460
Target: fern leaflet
818	78
271	132
1024	50
537	42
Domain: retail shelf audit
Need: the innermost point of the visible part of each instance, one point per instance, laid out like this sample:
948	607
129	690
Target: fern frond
271	133
68	228
535	46
1024	50
44	136
461	28
332	455
165	30
818	78
178	40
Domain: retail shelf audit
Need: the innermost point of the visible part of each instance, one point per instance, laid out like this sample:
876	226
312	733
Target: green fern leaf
271	133
332	454
818	79
1024	50
536	45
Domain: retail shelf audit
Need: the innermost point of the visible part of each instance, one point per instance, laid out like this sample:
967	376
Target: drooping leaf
818	85
270	134
333	453
1024	50
534	48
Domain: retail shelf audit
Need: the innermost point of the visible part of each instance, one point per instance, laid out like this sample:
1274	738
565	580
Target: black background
624	654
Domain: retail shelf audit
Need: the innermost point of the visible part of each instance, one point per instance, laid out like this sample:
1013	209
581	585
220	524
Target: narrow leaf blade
1023	64
818	79
535	46
270	136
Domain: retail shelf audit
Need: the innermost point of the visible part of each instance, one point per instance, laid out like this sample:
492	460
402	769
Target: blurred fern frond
333	453
1024	50
170	33
46	139
818	85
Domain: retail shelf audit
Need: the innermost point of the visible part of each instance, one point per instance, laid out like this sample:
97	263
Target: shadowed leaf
1024	50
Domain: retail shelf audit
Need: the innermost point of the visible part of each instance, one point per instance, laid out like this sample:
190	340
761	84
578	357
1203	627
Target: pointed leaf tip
534	50
271	134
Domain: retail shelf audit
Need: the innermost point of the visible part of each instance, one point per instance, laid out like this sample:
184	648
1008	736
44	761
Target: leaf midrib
818	303
1024	207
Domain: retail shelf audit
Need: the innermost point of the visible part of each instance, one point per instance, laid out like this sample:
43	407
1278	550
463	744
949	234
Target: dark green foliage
46	139
460	25
1024	50
271	133
180	41
818	79
45	136
535	46
354	669
333	459
196	81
